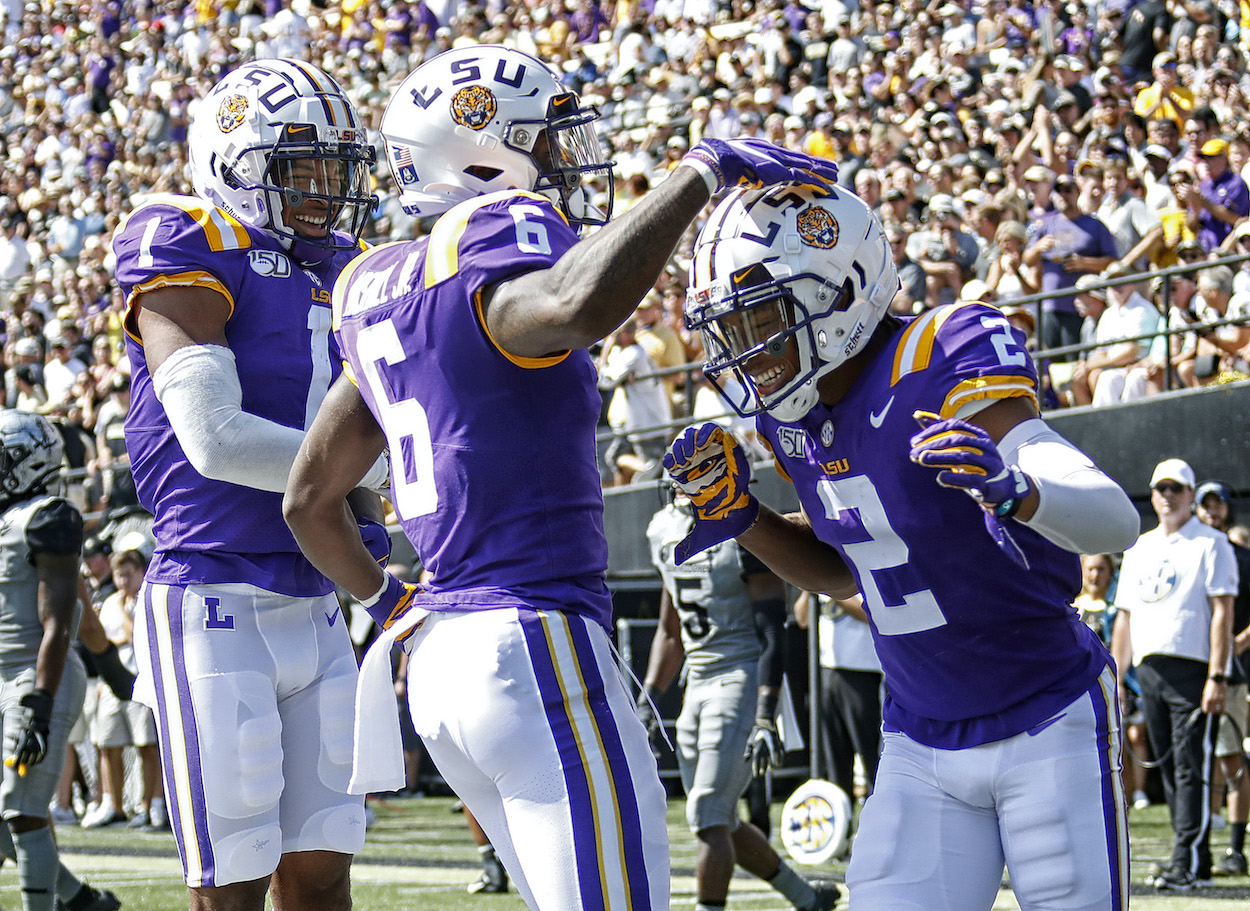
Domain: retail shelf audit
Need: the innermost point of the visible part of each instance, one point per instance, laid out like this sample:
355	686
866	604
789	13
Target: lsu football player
929	483
242	651
467	355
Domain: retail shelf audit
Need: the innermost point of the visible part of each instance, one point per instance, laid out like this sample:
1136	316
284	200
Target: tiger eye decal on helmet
231	113
817	228
474	107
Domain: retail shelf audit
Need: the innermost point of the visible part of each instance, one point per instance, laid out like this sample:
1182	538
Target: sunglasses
1066	188
1169	487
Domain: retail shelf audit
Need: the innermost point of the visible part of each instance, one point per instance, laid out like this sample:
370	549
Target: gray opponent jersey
40	525
710	595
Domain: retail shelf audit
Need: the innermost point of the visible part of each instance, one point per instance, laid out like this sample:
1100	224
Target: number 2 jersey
278	330
493	467
974	647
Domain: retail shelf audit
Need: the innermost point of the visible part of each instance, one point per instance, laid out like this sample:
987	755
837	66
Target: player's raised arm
598	282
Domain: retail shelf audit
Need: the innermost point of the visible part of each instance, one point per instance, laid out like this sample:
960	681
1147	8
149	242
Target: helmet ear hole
482	172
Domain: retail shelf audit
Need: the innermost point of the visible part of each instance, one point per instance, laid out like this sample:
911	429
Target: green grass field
419	855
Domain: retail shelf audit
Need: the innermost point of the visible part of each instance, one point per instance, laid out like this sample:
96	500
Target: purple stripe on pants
1115	825
618	765
187	711
586	844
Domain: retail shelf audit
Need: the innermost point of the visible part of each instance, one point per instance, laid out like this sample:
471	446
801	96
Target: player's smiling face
314	180
770	369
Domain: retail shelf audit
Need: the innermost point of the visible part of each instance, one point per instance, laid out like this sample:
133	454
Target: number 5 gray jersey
710	595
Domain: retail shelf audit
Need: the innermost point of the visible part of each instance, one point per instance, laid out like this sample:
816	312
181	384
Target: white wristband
705	171
373	599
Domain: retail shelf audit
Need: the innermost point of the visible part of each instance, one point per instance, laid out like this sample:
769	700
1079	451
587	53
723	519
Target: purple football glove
759	163
376	540
391	603
966	459
708	465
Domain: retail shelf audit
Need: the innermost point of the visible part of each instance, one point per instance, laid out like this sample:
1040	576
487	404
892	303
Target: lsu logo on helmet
231	113
817	228
474	107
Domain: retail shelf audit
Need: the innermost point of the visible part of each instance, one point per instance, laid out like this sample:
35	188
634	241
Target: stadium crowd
1010	147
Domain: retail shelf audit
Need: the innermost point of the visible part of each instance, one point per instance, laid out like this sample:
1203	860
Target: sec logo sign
816	822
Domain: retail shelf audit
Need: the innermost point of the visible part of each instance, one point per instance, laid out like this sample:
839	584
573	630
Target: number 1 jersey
278	331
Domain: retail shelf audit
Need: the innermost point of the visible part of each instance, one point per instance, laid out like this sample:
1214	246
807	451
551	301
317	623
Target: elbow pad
199	387
1079	508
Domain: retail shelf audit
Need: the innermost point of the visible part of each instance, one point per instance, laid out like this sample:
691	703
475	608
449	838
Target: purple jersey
974	648
493	465
278	330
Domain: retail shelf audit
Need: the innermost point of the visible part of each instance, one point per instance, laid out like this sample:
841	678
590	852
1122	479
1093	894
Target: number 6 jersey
944	601
493	467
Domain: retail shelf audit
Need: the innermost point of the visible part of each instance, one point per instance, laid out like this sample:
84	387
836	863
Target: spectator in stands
1220	349
1091	179
1066	244
1102	376
640	405
1213	504
944	251
1165	98
664	346
1009	276
1125	213
1220	199
912	283
62	373
1176	591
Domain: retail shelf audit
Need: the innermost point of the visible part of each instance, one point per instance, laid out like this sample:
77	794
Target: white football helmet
784	274
479	119
277	134
30	455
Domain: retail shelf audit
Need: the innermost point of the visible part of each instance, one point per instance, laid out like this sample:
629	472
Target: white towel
378	748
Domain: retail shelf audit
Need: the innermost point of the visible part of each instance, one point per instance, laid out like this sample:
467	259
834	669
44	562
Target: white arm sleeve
199	387
1079	508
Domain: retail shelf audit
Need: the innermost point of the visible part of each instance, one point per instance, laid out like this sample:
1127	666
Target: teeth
769	377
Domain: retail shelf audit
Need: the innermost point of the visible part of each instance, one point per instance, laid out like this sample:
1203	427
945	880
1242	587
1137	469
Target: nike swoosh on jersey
1038	728
877	418
330	618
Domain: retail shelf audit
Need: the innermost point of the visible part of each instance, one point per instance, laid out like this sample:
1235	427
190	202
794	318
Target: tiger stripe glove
967	459
710	467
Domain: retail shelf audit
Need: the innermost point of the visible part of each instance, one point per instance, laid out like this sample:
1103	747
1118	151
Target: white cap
137	541
1173	470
